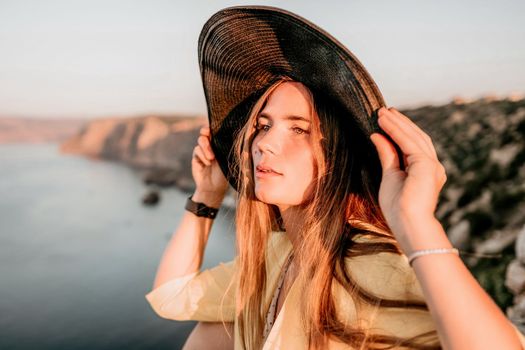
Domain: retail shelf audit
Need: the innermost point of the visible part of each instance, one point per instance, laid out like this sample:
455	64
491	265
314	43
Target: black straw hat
244	49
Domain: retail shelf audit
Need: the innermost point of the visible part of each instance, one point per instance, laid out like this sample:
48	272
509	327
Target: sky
68	58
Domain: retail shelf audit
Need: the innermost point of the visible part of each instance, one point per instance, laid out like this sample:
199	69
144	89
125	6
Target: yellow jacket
205	296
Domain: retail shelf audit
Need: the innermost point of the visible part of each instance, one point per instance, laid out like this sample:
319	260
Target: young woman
338	246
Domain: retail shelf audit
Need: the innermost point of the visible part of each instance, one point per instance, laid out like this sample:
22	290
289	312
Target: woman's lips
265	174
263	170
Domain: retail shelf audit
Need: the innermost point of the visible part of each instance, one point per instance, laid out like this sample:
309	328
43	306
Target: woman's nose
269	142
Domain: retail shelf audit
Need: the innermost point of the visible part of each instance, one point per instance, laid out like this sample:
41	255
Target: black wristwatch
200	209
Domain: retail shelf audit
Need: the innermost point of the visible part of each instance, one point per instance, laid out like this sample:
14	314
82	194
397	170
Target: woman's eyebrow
288	117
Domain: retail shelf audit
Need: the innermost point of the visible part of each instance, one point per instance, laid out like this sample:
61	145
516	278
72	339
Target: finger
205	131
426	138
387	152
409	127
199	161
204	142
195	157
198	152
407	139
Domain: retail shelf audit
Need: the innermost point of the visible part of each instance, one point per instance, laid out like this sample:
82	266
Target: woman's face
283	161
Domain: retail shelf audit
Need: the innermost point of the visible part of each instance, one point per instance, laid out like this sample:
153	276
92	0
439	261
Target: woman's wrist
423	235
209	198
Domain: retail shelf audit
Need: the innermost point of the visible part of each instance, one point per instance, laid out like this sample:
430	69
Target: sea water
79	250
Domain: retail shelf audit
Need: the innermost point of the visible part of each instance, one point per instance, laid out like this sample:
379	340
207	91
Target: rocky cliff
161	147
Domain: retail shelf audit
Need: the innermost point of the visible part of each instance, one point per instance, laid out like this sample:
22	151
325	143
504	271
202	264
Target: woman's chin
265	198
274	198
268	197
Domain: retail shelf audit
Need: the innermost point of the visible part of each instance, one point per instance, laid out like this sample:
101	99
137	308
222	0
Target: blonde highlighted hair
343	204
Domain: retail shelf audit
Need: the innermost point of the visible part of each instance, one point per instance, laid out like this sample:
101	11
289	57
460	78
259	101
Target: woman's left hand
409	196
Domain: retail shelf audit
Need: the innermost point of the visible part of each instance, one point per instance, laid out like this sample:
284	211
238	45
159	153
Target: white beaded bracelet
431	251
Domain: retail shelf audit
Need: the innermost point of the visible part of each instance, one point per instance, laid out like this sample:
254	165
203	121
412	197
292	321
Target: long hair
342	204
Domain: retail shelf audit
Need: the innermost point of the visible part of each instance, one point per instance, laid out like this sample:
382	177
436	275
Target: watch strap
200	209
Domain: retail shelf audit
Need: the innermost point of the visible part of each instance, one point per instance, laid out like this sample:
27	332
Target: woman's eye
299	131
266	127
262	127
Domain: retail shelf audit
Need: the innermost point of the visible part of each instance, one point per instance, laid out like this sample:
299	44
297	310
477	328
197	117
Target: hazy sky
103	57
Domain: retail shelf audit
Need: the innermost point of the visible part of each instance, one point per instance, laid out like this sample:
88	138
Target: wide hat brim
242	50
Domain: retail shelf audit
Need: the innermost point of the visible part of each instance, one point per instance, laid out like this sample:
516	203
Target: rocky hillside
482	146
161	147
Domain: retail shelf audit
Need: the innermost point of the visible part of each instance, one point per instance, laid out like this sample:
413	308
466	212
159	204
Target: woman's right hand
207	174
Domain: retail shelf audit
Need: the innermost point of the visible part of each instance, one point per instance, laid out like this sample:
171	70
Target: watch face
202	209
